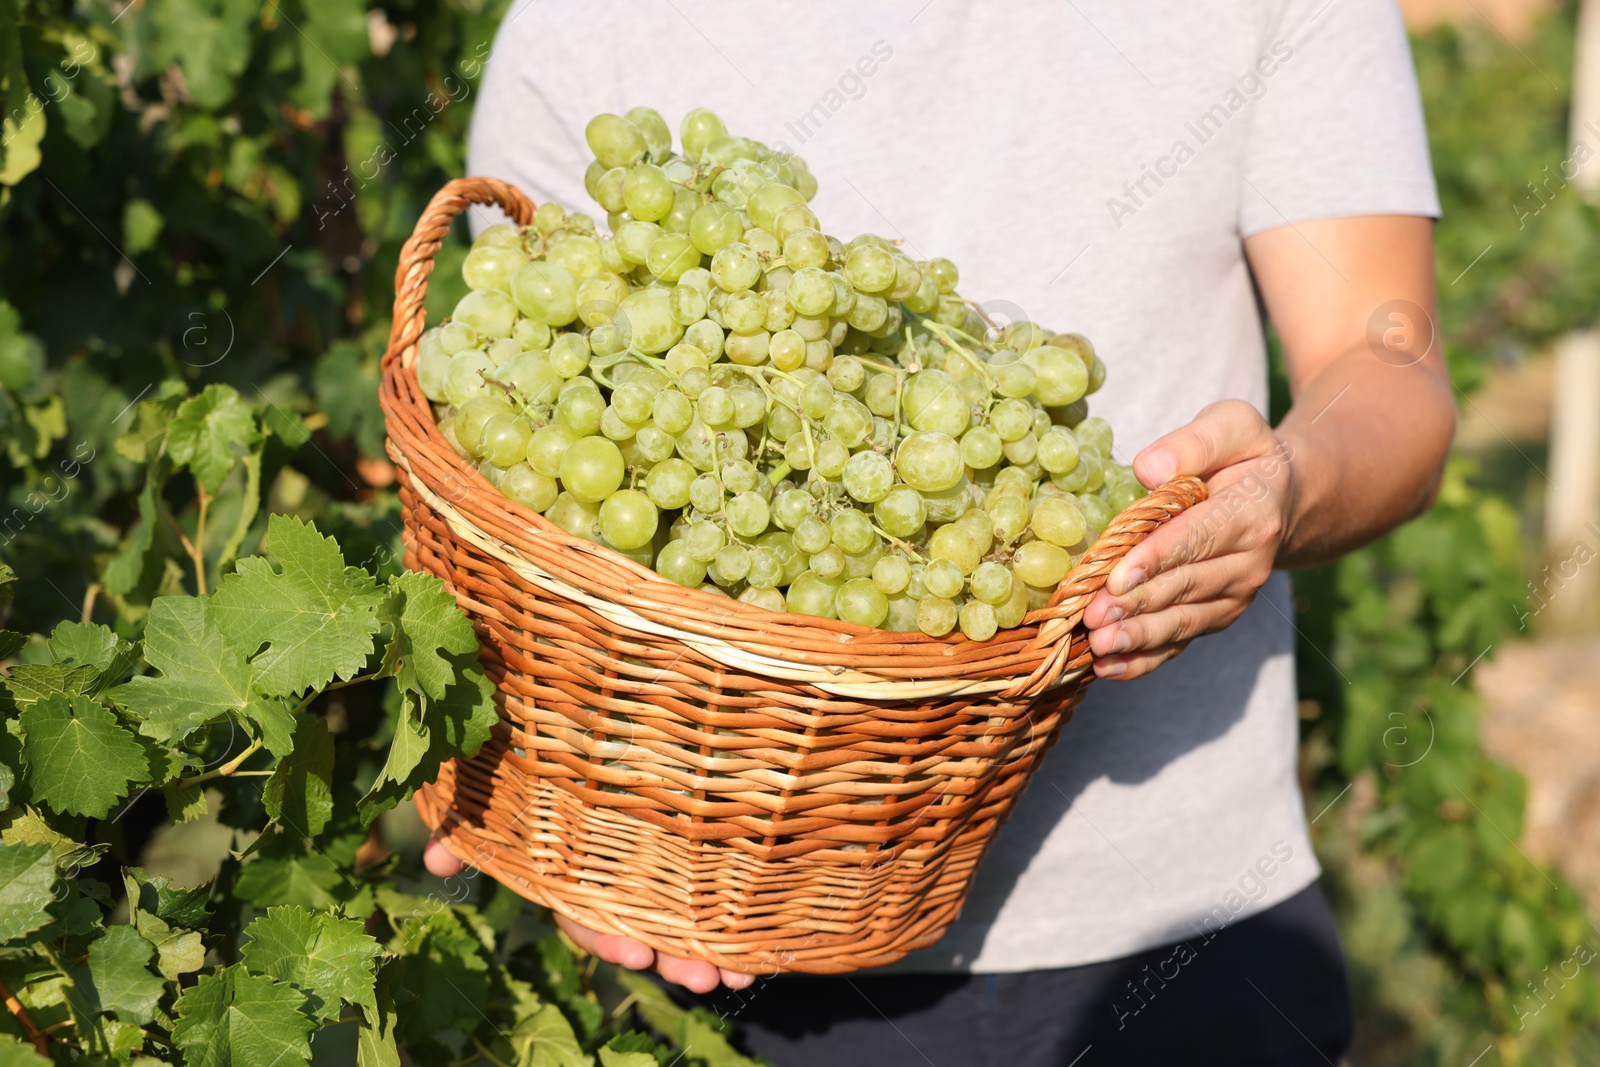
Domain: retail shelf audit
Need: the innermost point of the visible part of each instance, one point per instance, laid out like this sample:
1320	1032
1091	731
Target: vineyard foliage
209	636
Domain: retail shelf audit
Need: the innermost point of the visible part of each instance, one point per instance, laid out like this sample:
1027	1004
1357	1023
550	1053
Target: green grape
749	403
812	594
698	445
608	339
829	563
979	527
811	534
464	379
869	313
830	458
627	519
732	563
1011	418
647	316
740	476
1041	564
1058	450
433	364
779	314
907	277
547	446
500	235
578	518
811	327
592	469
687	304
1015	608
891	574
810	292
980	448
1042	423
735	267
978	620
868	477
505	440
578	253
848	421
686	355
816	395
791	507
491	267
704	540
861	602
529	488
902	617
793	218
615	141
852	531
869	268
1121	498
916	589
675	564
672	411
770	599
936	615
649	123
580	410
926	299
766	569
805	248
714	226
901	512
707	336
1095	433
1010	515
614	427
944	274
765	203
747	514
847	374
1023	335
883	395
943	578
653	444
609	188
531	377
715	406
991	583
1015	380
669	257
472	418
546	292
457	337
929	461
948	505
634	402
954	544
744	312
1096	513
548	216
669	482
1059	520
706	494
1094	468
1062	377
1022	451
635	238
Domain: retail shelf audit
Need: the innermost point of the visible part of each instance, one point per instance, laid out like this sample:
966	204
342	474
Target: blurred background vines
213	193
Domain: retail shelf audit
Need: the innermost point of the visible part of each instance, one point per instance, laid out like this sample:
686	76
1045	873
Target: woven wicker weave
766	791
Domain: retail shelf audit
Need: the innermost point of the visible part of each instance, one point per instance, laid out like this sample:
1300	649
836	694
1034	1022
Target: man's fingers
735	980
623	951
1235	574
440	861
1222	434
697	976
1175	625
1136	664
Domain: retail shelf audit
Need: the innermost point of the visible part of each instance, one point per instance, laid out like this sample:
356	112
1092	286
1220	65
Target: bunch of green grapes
723	392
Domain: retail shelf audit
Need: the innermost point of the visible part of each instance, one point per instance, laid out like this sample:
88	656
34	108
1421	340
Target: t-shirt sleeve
1337	130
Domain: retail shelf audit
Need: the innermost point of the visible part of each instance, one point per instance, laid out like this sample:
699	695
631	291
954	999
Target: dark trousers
1267	991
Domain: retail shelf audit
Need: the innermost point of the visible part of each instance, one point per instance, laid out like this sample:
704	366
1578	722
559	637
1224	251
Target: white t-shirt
1095	164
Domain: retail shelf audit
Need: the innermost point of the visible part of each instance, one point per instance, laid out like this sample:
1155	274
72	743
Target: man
1152	174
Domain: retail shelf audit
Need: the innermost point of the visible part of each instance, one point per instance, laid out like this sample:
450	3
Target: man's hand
1196	574
698	976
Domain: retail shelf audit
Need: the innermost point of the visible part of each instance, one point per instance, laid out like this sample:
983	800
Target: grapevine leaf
98	646
141	554
610	1057
209	434
685	1028
185	803
14	1052
310	881
315	616
11	642
28	827
458	725
545	1039
445	972
237	1019
117	976
27	875
347	389
300	792
375	1043
426	619
29	683
178	905
79	758
203	678
8	778
326	957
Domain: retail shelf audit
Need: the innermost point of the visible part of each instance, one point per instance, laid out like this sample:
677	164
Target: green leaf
141	225
458	725
75	643
347	389
445	973
375	1042
80	760
11	642
310	881
185	803
14	1052
612	1058
322	955
22	135
209	434
203	678
27	876
178	905
208	39
426	620
29	683
237	1019
315	616
300	792
117	976
545	1039
685	1028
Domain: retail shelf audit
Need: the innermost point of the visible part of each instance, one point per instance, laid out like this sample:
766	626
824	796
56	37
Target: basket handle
417	254
1061	616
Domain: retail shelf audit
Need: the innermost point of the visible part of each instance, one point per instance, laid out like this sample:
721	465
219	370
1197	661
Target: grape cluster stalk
725	393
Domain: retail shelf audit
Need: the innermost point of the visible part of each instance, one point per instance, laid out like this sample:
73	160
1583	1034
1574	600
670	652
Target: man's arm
1359	452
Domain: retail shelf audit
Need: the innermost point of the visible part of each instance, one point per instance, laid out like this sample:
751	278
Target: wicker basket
769	792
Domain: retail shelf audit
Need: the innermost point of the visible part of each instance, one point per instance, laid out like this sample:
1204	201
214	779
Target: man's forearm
1366	442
